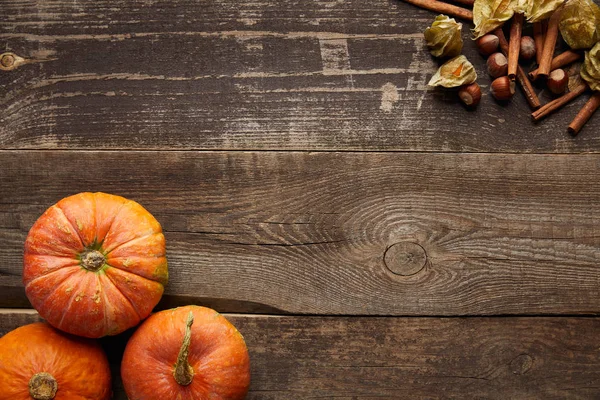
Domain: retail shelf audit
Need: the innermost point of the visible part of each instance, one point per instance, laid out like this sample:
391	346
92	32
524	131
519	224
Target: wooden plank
340	233
417	358
116	17
275	74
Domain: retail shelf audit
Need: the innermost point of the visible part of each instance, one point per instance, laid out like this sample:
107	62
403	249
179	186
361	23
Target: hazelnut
503	88
497	65
470	94
557	81
528	49
488	44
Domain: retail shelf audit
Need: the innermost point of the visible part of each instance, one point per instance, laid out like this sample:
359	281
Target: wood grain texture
308	232
275	74
417	358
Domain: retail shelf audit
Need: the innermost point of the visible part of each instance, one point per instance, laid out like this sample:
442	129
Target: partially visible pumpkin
186	353
41	363
95	264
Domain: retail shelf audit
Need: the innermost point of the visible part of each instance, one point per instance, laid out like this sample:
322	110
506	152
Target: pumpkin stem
43	386
184	373
92	260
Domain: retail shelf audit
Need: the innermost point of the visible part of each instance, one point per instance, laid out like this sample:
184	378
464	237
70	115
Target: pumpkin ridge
75	267
105	310
95	245
133	307
47	238
154	277
73	296
67	265
136	275
131	303
119	210
129	241
71	225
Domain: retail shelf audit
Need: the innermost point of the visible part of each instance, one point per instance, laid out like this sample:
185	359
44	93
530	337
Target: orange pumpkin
95	264
186	353
41	363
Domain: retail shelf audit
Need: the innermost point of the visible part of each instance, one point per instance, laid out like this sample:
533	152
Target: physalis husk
454	73
590	70
443	37
580	24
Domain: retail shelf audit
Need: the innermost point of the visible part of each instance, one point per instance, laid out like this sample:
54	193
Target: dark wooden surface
307	233
311	184
405	358
286	74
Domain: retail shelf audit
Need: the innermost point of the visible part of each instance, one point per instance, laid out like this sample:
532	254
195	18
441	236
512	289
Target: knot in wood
7	60
521	364
405	258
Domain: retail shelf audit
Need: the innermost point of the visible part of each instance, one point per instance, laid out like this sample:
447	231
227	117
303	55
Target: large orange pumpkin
95	264
41	363
187	353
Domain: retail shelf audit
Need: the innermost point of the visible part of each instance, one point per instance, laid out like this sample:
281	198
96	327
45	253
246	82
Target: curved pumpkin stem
184	373
42	386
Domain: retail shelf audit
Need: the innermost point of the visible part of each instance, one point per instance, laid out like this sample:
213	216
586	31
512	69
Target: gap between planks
290	151
29	311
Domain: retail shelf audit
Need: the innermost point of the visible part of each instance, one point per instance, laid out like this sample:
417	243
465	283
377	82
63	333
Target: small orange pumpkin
186	353
41	363
95	264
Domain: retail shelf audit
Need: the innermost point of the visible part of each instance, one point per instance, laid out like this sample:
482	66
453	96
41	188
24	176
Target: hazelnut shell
557	81
497	65
528	49
470	95
488	44
502	88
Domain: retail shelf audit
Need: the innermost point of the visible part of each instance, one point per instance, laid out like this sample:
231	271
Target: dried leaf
539	10
443	37
580	24
454	73
491	14
590	70
574	73
521	6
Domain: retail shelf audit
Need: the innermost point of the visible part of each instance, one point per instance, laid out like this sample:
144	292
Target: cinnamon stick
444	8
549	44
585	114
558	103
514	45
559	61
530	96
538	37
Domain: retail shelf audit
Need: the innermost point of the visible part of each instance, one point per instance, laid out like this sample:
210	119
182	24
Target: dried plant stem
532	99
558	103
585	114
549	44
444	8
514	45
538	37
183	372
559	61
